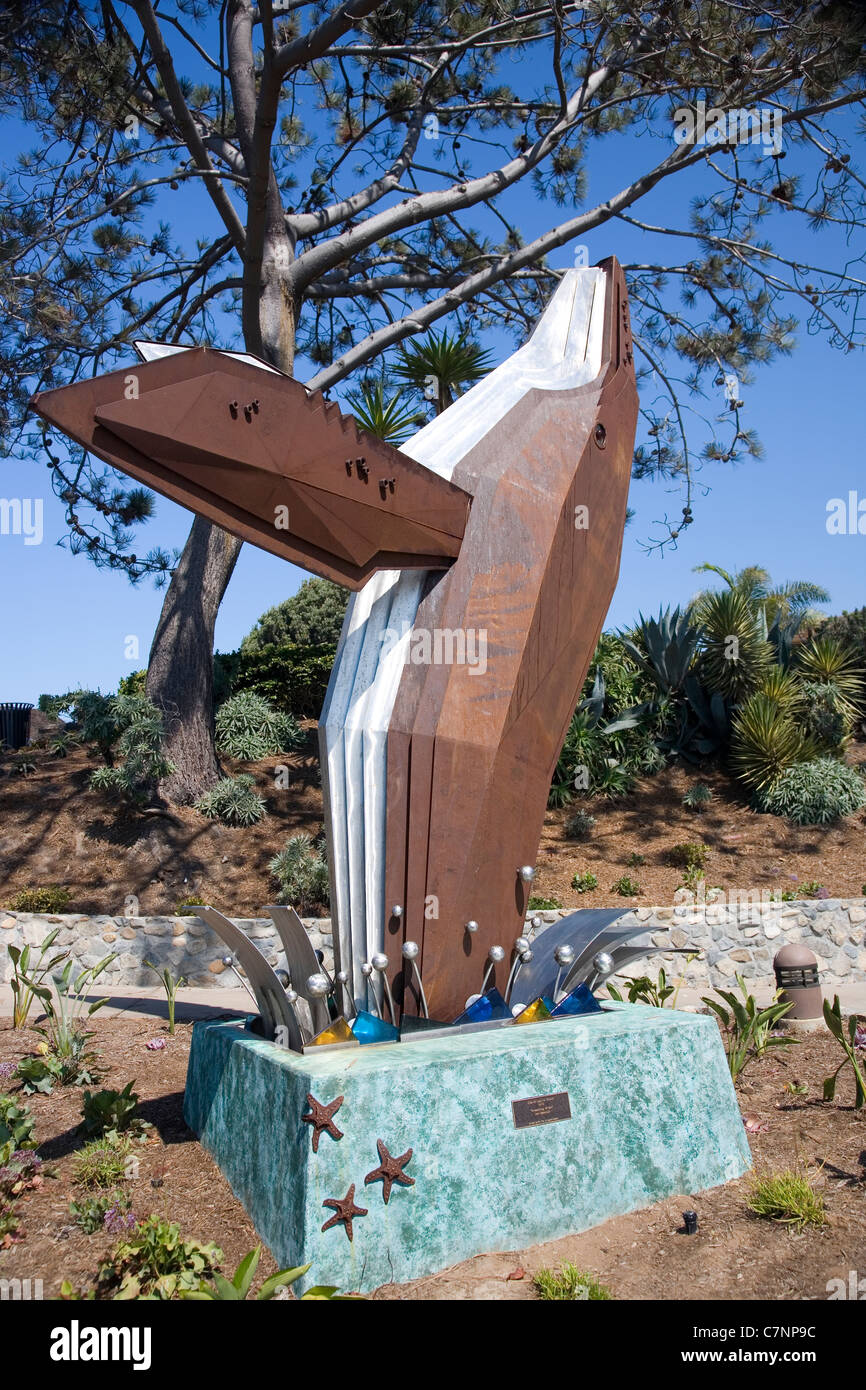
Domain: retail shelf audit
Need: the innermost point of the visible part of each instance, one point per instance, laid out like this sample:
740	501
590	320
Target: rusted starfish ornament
321	1117
344	1211
390	1170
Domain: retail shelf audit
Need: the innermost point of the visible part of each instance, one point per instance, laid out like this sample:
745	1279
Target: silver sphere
397	911
341	977
521	945
471	1000
283	977
410	950
496	953
526	957
379	961
527	873
603	963
517	1009
228	960
318	986
472	926
536	923
564	955
291	995
366	970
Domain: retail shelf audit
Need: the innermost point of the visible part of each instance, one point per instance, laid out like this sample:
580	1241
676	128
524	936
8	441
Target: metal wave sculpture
485	554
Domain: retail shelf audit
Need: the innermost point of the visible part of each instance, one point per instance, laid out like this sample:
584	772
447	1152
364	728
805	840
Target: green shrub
579	826
827	660
50	898
136	763
107	1110
735	653
570	1285
234	801
823	713
635	860
849	629
16	1126
697	797
187	906
312	616
689	854
90	1214
814	793
584	883
787	1197
626	887
76	1067
538	904
292	678
765	741
248	728
133	684
748	1030
23	993
156	1262
301	872
102	1162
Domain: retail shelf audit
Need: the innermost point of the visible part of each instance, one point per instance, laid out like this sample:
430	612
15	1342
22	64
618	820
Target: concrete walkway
192	1004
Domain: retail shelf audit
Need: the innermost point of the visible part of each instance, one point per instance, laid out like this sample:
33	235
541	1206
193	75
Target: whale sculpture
484	555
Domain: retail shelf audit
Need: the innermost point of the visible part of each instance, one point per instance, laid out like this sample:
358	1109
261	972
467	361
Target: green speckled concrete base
653	1113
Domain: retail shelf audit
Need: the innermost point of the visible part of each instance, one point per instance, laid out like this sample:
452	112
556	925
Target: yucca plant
782	688
765	741
388	418
827	660
441	366
735	653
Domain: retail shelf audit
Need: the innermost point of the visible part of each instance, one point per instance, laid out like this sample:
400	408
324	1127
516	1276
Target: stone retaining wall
733	938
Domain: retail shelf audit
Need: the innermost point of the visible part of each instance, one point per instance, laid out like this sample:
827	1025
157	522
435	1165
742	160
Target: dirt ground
55	830
644	1255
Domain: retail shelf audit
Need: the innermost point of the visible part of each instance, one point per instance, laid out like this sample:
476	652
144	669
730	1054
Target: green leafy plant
813	889
626	887
847	1040
234	801
156	1262
49	898
540	904
735	653
440	366
310	620
570	1284
697	797
23	766
187	906
644	990
66	1004
111	1112
826	660
137	764
248	728
89	1213
689	854
824	714
292	677
814	793
76	1067
579	826
635	860
22	993
747	1029
171	987
61	743
16	1127
238	1287
301	872
787	1197
386	417
102	1162
766	740
584	883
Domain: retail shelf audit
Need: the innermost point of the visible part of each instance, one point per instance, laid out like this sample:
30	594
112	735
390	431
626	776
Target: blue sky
65	624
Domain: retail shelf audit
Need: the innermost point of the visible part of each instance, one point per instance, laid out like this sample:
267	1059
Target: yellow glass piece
536	1012
338	1032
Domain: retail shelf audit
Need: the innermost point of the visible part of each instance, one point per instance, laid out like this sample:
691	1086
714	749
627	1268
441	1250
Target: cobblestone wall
733	938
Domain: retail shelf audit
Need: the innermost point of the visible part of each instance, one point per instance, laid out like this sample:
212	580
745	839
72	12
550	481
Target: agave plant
665	648
827	660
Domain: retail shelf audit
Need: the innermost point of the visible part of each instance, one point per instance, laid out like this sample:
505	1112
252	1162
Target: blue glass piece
580	1001
490	1006
370	1029
411	1023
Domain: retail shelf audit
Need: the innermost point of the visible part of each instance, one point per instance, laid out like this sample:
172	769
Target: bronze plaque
541	1110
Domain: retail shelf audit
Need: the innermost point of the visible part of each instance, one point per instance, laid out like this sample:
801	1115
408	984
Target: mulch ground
54	830
734	1255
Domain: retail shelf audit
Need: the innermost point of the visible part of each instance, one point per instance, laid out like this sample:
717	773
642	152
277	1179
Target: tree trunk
180	668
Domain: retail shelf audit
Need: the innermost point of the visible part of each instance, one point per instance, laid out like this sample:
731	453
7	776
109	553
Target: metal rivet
600	436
